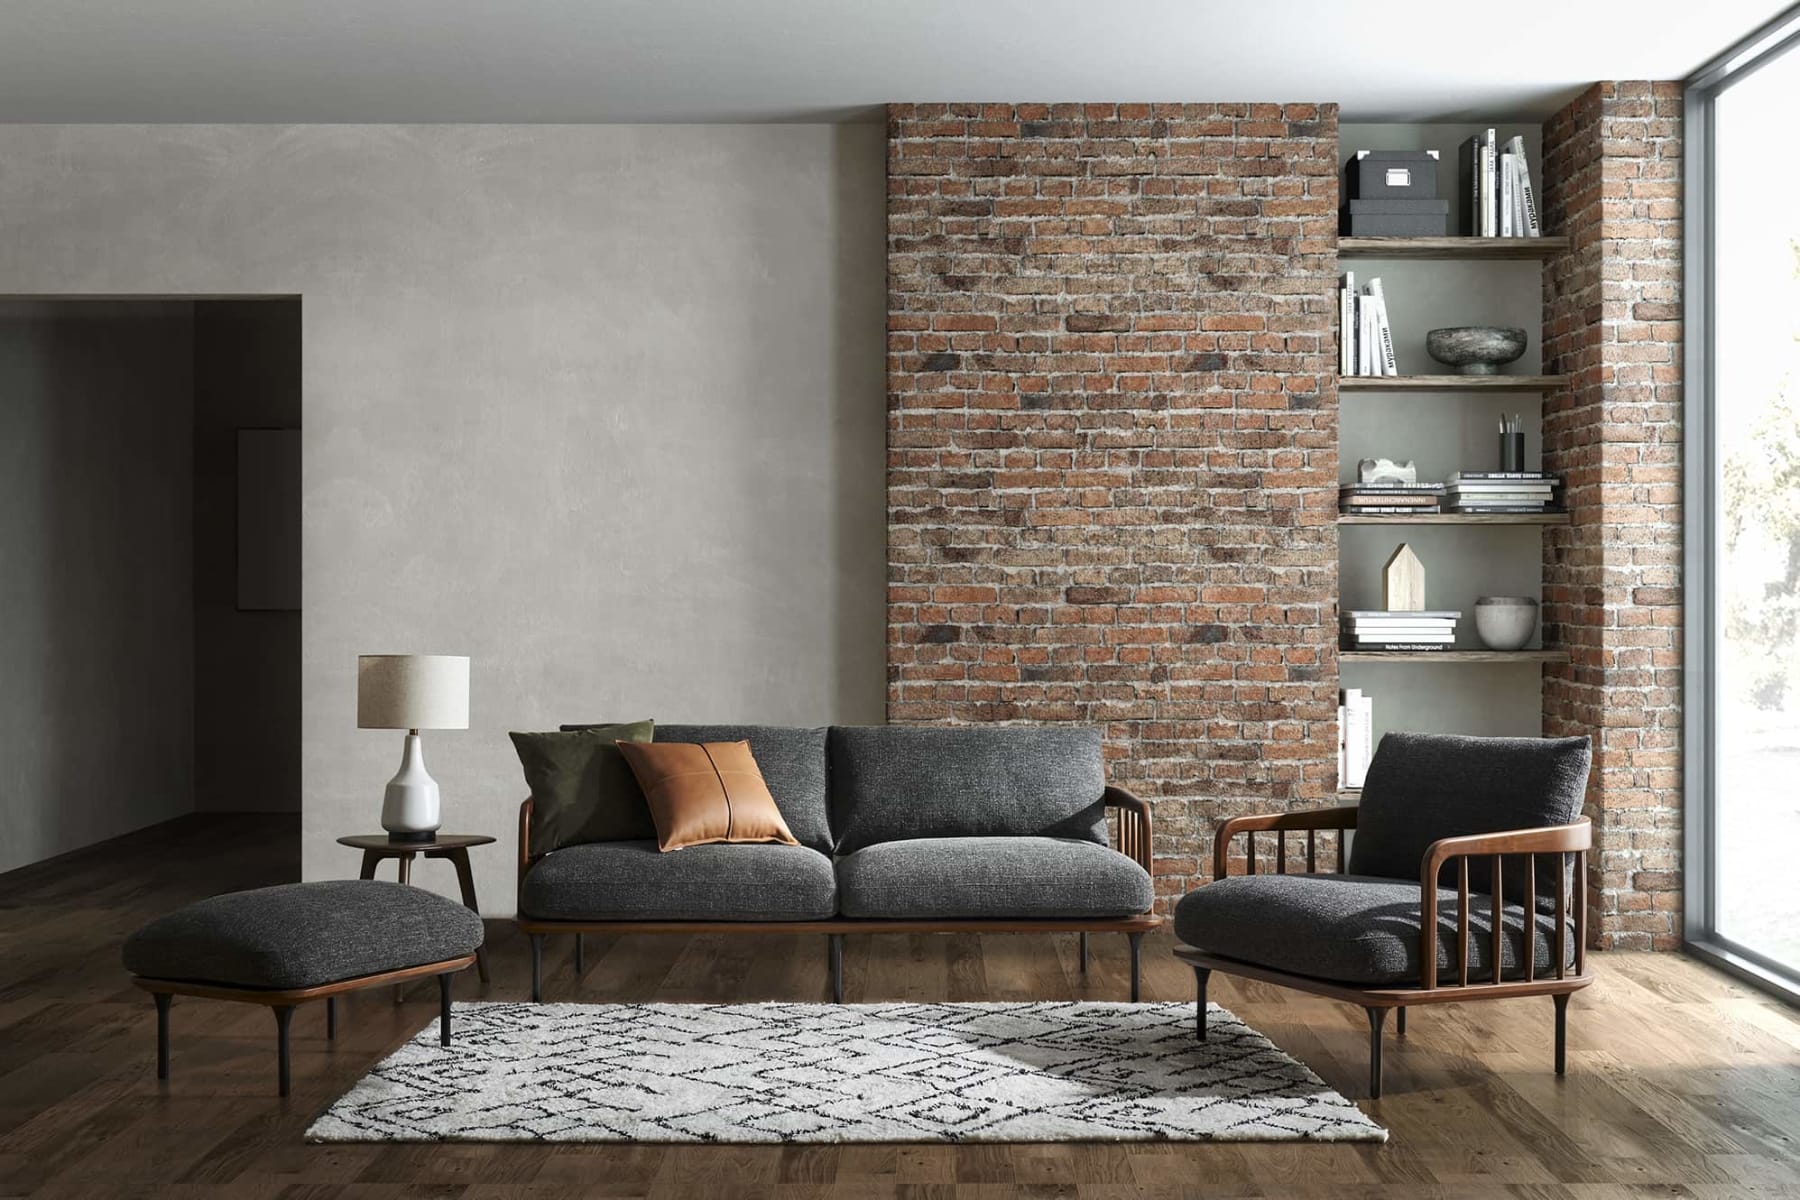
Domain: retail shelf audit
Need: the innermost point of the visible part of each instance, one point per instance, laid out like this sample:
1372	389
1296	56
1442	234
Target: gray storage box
1395	218
1392	175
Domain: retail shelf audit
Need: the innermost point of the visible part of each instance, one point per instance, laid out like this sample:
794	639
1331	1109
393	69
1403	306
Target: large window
1744	510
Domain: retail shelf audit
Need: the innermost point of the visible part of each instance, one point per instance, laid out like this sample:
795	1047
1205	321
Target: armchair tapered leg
284	1016
1377	1018
837	968
1137	954
537	967
1084	954
1400	1021
1562	1030
162	1033
1201	977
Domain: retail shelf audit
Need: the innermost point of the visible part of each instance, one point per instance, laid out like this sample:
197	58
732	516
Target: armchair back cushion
1422	787
792	762
890	783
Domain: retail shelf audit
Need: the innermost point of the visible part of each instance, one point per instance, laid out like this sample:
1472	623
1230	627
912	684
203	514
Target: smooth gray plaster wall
96	546
600	406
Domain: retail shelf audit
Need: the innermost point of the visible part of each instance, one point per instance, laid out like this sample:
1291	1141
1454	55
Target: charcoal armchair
1463	882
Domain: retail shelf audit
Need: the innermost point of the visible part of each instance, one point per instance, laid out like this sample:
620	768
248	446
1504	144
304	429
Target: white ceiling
750	60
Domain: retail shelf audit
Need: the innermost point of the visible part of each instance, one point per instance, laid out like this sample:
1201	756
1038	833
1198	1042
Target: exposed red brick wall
1112	440
1612	578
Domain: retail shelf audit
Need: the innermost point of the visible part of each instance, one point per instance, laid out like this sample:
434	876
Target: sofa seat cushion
635	881
989	877
301	935
1352	929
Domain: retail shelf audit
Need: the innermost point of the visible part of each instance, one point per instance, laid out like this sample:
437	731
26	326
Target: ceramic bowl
1475	349
1505	622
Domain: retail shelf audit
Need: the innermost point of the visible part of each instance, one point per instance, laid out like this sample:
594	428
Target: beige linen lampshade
412	691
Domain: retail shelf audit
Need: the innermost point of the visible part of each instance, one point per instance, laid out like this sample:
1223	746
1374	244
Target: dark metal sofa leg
537	967
580	955
837	968
1137	954
1084	954
1400	1021
1377	1018
1562	1031
162	1033
284	1016
1202	975
444	1009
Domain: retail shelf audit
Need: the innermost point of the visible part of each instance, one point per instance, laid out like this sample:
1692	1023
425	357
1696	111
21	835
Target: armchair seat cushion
634	881
991	877
1354	929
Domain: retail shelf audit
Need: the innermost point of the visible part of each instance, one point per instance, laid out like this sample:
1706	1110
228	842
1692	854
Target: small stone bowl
1505	622
1475	349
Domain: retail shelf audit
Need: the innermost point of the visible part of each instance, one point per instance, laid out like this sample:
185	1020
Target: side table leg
370	858
465	879
405	877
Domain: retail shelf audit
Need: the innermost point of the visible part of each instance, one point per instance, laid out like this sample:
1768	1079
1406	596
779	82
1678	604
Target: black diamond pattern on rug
743	1073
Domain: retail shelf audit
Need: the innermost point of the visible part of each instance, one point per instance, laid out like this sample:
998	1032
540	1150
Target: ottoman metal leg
837	968
331	1017
284	1015
1084	954
580	955
162	1033
537	967
444	1009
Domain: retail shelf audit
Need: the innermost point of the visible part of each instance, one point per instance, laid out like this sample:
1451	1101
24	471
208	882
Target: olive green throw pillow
582	789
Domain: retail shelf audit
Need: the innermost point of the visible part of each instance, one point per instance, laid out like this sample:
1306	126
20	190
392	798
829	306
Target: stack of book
1497	197
1391	499
1381	630
1365	341
1502	492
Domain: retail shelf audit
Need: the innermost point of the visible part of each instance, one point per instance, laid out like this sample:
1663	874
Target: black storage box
1392	175
1395	218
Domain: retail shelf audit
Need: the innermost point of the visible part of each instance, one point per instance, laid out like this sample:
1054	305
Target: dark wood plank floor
1681	1082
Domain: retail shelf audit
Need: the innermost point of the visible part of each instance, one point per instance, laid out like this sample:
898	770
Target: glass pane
1756	356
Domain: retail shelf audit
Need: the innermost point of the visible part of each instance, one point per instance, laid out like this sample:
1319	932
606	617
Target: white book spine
1358	713
1340	745
1506	195
1347	325
1384	333
1489	227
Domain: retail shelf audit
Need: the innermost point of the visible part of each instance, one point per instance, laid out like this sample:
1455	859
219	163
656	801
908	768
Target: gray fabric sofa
901	828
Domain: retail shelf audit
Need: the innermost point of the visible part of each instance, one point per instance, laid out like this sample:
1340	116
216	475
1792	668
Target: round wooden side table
453	846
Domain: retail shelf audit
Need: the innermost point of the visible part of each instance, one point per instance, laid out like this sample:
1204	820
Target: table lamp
411	692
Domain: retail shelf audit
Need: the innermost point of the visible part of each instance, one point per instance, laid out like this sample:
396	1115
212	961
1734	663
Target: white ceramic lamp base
410	811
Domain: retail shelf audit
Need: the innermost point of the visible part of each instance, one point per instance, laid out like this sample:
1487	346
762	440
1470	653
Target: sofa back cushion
792	762
893	782
1422	787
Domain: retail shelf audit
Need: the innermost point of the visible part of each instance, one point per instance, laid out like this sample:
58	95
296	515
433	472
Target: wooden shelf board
1454	656
1549	518
1452	383
1450	247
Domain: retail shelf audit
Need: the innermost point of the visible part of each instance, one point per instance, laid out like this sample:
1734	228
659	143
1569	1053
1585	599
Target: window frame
1700	477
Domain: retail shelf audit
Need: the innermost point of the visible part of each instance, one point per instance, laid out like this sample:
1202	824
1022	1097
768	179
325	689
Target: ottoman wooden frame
284	1000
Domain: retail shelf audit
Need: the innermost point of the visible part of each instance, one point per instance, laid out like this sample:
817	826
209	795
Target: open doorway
148	455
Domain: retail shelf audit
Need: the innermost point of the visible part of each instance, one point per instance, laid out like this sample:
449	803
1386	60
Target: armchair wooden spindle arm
1560	840
525	859
1310	821
1134	824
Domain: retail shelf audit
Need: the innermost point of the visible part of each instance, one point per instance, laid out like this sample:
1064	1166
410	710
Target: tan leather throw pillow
705	793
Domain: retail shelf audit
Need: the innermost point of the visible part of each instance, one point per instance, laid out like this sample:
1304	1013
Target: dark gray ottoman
282	946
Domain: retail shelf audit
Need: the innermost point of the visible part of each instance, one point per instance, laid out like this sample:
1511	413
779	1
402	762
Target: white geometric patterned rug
1040	1072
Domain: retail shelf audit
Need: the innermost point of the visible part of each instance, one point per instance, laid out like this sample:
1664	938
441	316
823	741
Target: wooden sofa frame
1560	840
1133	841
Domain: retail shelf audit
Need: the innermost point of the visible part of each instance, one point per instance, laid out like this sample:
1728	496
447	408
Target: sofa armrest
1561	840
1134	824
1309	820
525	859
